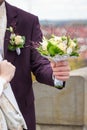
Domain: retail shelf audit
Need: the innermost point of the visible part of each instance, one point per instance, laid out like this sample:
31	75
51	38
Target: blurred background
61	17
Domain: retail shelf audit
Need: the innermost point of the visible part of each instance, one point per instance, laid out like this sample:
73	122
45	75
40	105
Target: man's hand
7	70
61	70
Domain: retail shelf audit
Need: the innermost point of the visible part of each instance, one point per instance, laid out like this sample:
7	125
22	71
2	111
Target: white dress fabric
10	119
3	24
10	115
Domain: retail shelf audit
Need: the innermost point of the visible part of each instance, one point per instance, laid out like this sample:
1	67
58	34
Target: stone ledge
63	107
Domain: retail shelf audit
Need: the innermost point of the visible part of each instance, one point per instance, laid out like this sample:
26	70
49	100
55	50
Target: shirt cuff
2	83
58	83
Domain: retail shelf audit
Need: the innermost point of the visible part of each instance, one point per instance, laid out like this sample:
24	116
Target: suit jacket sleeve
40	65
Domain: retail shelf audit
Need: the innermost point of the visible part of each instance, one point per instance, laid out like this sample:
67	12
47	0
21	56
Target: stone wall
64	109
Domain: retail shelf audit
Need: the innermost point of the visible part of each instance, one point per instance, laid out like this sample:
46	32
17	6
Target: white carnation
69	50
44	44
57	38
12	36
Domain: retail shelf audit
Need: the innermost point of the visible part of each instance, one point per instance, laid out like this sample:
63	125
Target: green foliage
53	49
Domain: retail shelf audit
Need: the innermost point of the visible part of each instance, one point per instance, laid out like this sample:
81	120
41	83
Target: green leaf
41	51
75	40
74	54
53	49
20	46
23	37
12	48
64	38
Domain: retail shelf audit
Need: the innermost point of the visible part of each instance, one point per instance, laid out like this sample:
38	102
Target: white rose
72	44
62	46
18	40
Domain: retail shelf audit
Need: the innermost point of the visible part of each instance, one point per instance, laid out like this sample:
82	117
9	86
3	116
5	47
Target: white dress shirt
3	24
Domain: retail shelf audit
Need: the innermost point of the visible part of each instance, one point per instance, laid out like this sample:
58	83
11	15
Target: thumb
53	64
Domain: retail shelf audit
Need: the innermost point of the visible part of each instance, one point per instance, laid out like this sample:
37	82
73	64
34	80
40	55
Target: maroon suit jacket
27	25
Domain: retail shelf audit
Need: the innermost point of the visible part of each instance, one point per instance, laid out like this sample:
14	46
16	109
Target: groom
26	24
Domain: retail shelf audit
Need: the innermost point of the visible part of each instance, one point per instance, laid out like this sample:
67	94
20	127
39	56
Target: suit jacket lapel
11	21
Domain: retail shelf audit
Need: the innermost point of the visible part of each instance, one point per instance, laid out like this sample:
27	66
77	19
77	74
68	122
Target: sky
54	9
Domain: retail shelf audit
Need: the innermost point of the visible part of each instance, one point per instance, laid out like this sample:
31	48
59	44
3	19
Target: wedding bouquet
58	48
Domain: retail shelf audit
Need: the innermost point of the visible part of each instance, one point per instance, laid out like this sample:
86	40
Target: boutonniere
16	41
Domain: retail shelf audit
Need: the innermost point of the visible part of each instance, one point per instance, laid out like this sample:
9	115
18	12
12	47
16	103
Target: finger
53	64
61	73
63	78
61	69
62	63
4	60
